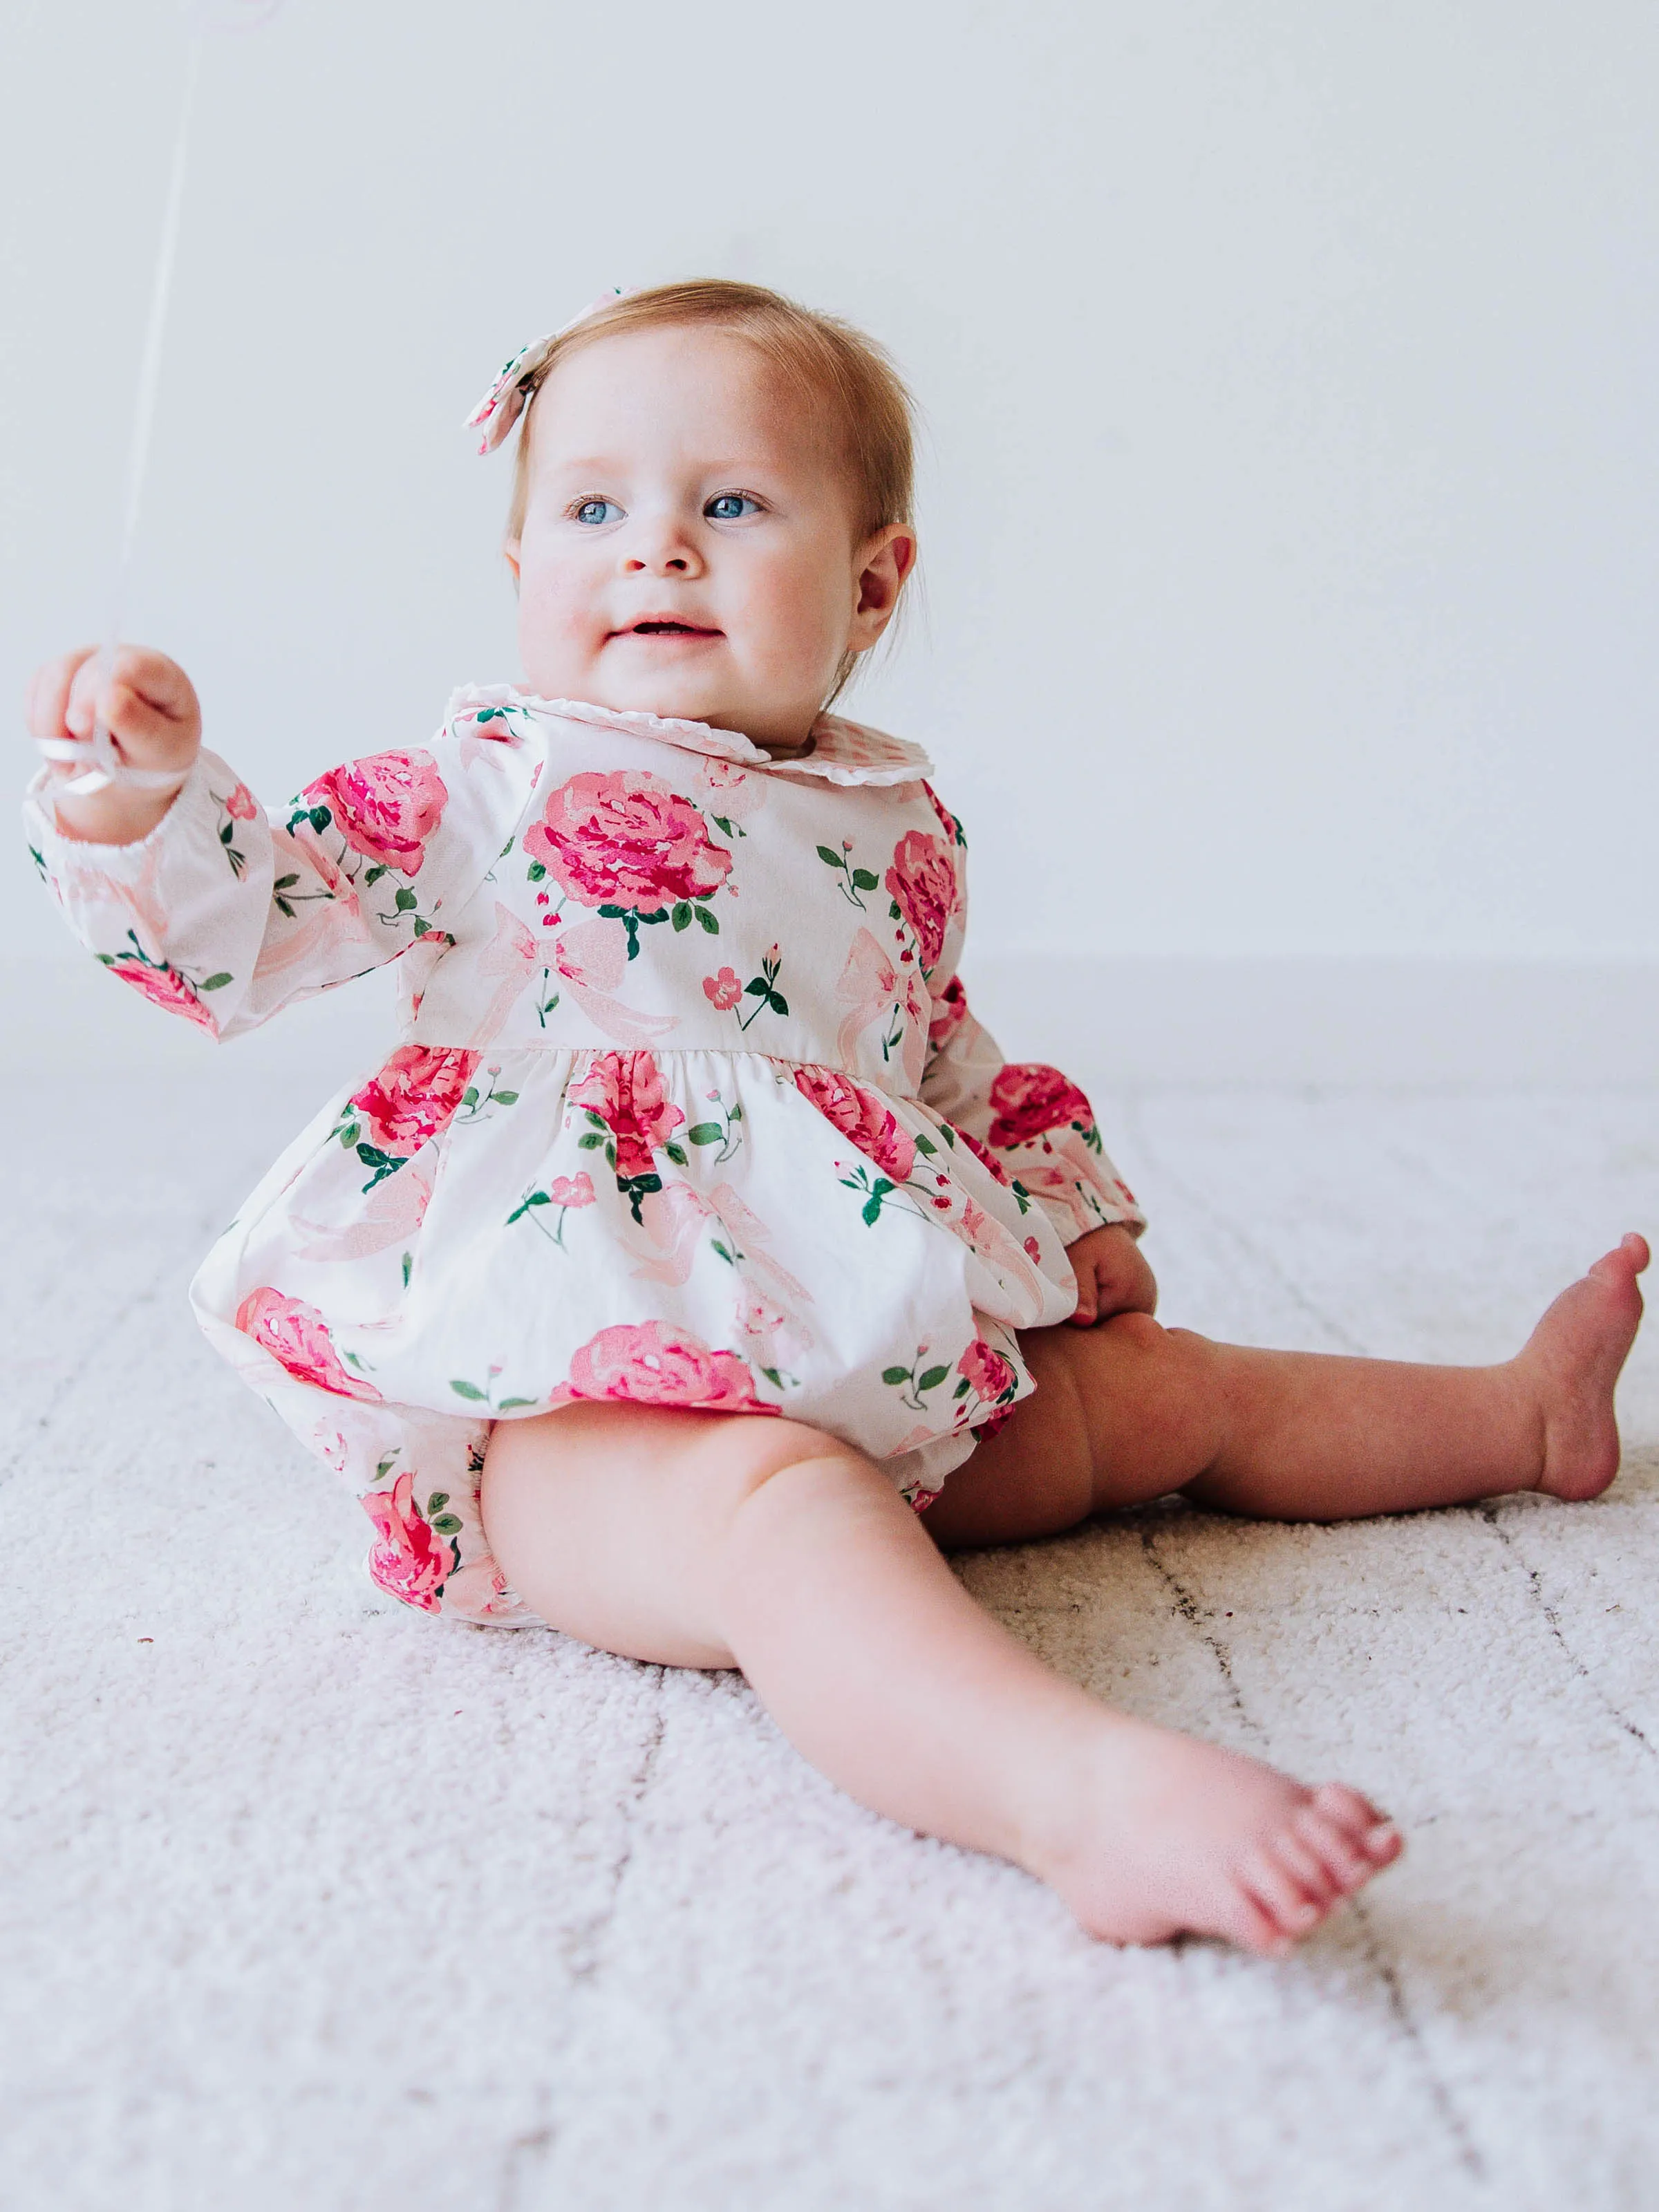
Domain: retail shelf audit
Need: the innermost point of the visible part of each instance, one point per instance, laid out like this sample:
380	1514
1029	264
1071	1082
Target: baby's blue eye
731	506
597	511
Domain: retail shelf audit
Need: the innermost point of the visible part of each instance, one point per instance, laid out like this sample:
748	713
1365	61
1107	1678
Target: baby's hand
148	706
1112	1276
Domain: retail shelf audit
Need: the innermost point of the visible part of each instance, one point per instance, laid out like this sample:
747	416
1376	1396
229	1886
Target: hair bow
502	404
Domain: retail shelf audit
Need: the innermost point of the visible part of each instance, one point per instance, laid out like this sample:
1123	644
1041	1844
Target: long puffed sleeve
1028	1121
226	913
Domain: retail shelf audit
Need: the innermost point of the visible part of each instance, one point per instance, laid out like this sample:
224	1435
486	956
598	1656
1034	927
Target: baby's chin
673	694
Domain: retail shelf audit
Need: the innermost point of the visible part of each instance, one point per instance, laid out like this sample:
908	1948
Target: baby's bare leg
1130	1410
696	1540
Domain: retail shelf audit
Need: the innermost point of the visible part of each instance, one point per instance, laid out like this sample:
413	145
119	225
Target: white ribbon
100	756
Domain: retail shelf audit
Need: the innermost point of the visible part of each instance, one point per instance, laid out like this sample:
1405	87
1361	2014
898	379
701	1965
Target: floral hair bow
505	401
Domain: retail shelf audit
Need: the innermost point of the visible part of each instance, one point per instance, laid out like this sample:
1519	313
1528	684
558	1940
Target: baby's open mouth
667	627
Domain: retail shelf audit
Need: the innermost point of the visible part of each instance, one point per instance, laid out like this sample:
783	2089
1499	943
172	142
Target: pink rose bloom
241	804
572	1190
163	987
947	821
1030	1098
655	1363
415	1095
982	1153
950	1011
625	1090
923	879
988	1372
297	1337
626	840
406	1559
723	990
861	1117
385	805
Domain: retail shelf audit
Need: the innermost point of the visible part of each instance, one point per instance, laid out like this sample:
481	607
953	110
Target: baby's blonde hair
848	381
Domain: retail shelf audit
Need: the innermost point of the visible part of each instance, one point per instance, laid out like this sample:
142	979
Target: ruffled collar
842	751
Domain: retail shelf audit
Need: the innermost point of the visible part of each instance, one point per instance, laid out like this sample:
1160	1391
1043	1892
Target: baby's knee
1138	1334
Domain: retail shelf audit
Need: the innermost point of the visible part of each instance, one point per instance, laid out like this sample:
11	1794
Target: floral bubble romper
689	1109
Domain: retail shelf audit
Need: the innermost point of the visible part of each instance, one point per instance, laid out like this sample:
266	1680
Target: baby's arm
1037	1128
223	914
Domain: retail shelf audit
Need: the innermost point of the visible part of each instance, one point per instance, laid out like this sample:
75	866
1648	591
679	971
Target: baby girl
696	1274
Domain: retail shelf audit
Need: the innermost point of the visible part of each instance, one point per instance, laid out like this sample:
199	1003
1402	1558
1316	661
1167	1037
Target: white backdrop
1288	523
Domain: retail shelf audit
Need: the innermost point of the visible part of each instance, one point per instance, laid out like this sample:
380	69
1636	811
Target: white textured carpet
310	1903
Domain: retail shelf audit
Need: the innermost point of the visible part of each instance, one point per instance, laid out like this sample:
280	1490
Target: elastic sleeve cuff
1075	1212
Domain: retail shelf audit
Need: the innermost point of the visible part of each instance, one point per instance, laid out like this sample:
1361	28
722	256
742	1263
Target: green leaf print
215	983
709	922
682	915
405	899
464	1389
383	1164
535	872
871	1208
914	1382
705	1132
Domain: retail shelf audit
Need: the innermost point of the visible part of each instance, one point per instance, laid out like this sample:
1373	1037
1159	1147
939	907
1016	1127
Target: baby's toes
1246	1921
1350	1837
1277	1889
1322	1884
1346	1863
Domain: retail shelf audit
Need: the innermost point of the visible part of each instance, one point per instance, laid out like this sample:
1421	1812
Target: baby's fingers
145	700
49	693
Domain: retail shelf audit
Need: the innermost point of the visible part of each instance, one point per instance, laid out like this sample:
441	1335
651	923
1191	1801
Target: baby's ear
884	561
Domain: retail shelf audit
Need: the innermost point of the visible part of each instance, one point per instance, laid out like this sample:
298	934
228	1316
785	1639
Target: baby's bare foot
1171	1837
1570	1363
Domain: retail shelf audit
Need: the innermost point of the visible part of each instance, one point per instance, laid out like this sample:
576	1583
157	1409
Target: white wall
1289	367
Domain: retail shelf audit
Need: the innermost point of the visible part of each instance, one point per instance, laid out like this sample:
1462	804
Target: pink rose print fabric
651	1364
414	1096
986	1373
923	881
688	1108
627	840
1028	1100
417	1093
630	1110
408	1558
297	1337
162	985
385	806
861	1117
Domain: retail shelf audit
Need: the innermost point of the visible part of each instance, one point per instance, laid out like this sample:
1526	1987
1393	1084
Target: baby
694	1274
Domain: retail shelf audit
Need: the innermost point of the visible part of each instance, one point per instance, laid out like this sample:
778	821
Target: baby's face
687	545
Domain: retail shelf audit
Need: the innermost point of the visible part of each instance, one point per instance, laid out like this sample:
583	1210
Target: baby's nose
663	548
664	564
